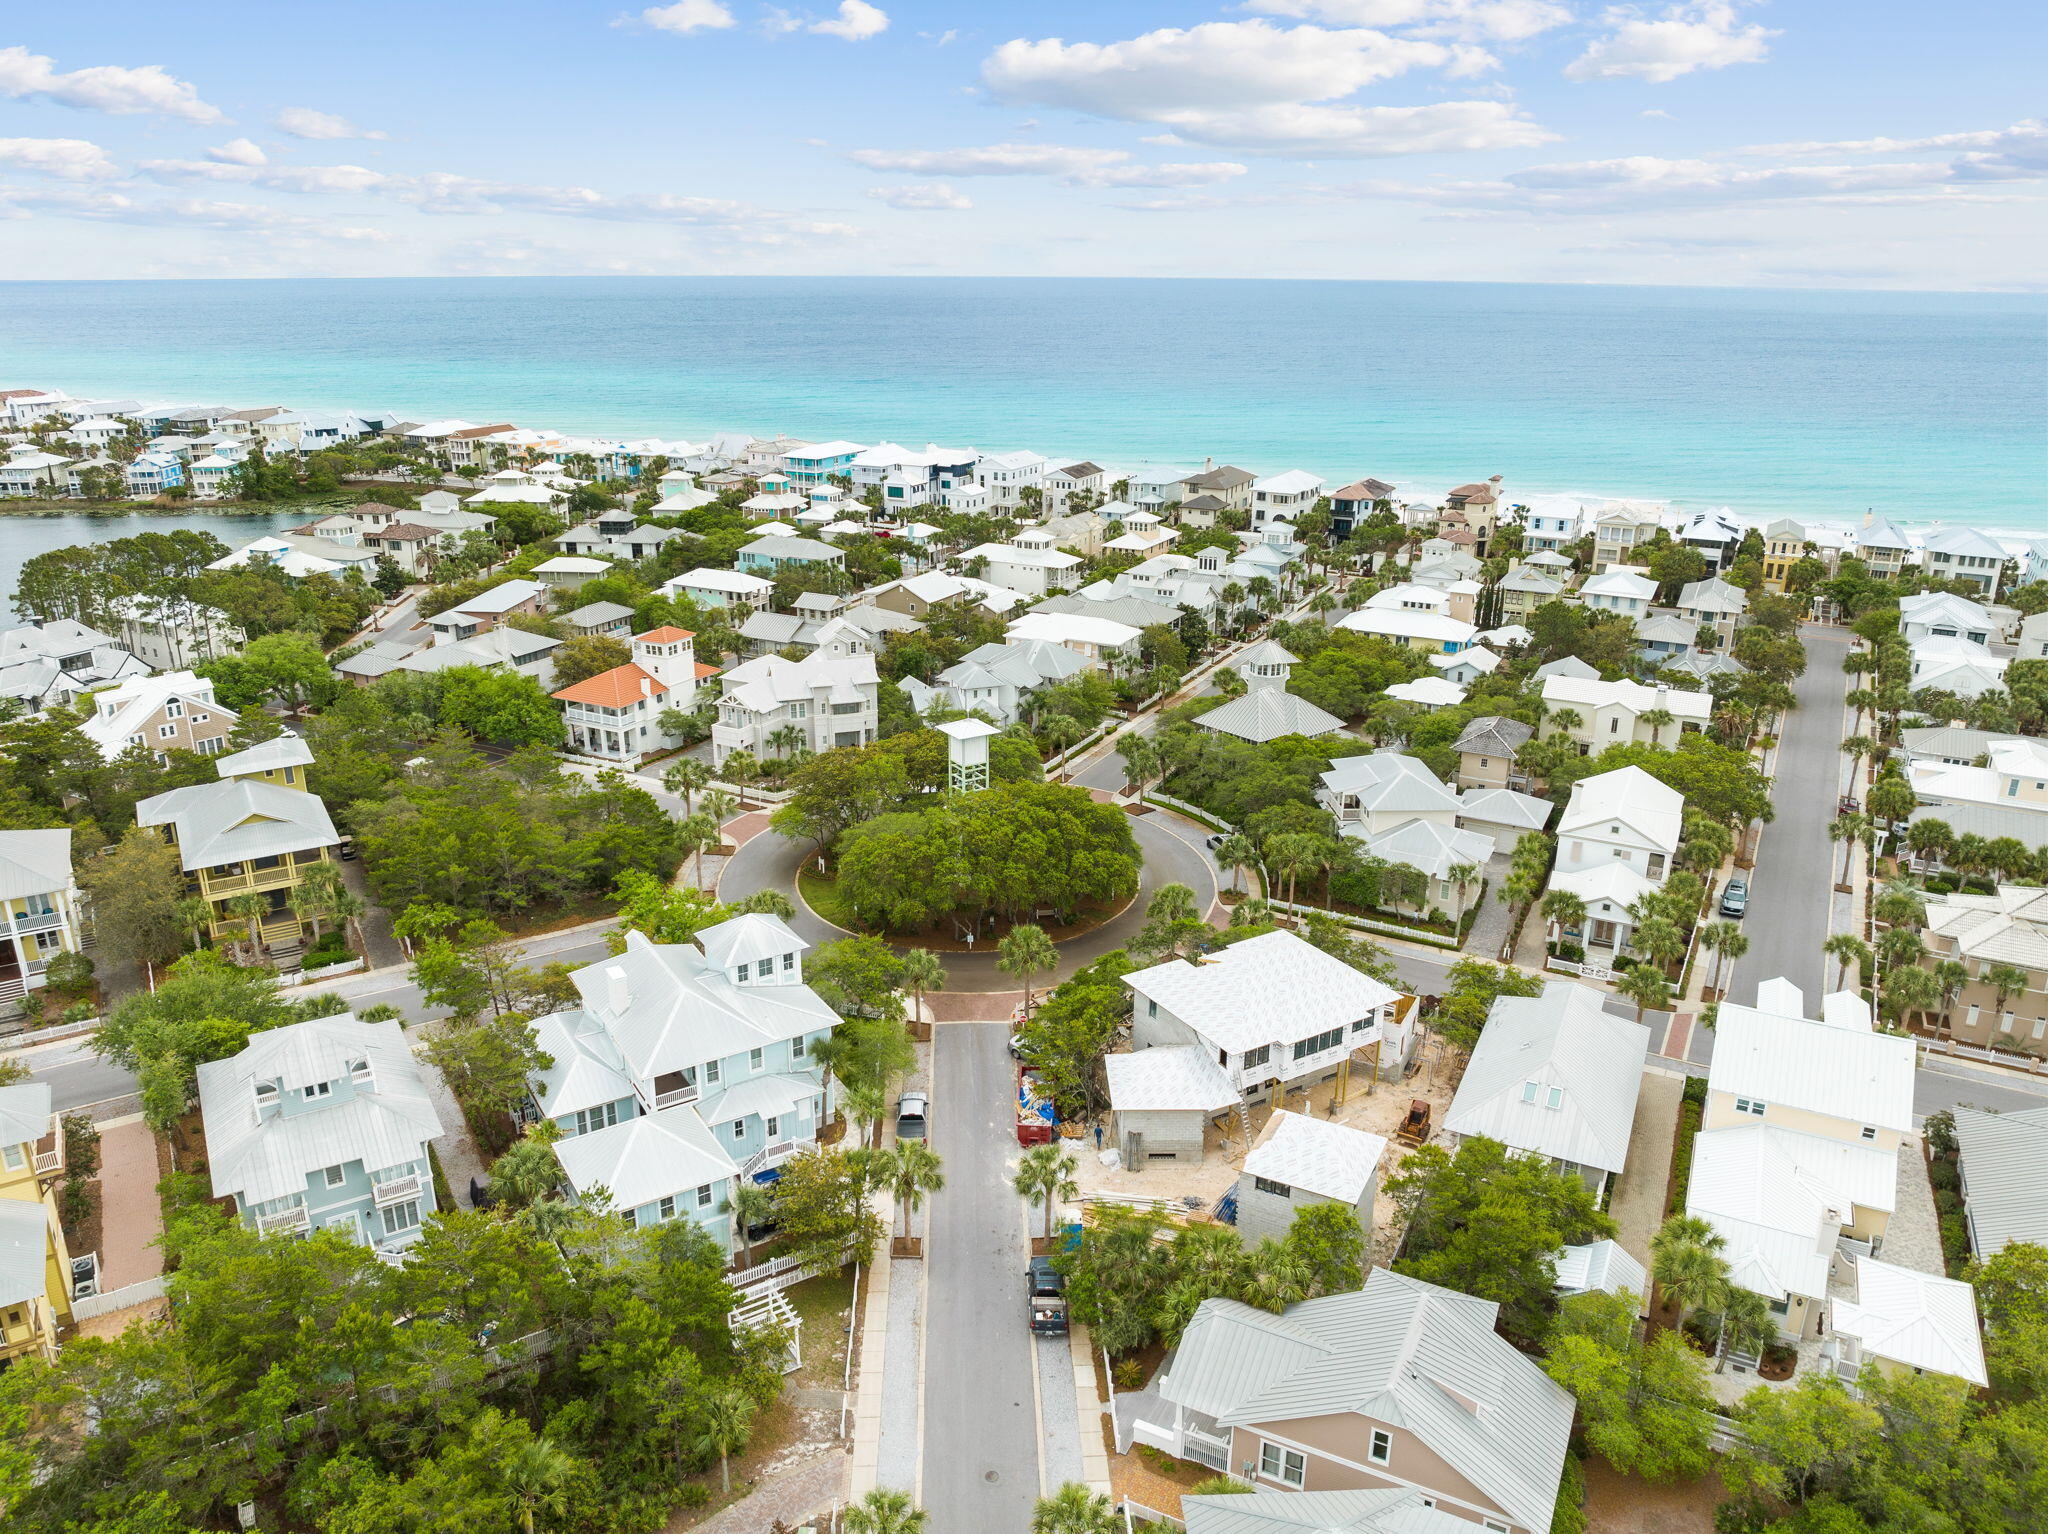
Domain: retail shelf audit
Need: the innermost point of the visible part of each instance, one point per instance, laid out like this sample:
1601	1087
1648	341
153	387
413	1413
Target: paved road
1173	851
981	1424
1792	886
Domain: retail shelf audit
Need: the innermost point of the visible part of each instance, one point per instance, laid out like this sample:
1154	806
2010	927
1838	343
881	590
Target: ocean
1927	407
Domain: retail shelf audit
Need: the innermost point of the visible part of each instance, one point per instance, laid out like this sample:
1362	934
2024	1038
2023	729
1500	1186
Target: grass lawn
821	894
825	1305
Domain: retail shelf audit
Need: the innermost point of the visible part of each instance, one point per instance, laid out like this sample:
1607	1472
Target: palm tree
348	909
1566	720
1563	909
537	1473
1849	951
314	897
1292	853
1686	1264
1025	952
1727	941
1746	1325
883	1512
1909	991
250	908
1141	761
720	806
1951	975
1278	1278
1900	905
695	833
922	971
1045	1176
1848	830
749	1204
1236	852
195	914
727	1418
1646	988
686	778
1062	730
915	1172
789	741
2006	981
1656	719
1461	877
1658	939
1074	1509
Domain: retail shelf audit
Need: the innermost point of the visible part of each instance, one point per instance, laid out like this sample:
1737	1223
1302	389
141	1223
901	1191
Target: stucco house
1299	1161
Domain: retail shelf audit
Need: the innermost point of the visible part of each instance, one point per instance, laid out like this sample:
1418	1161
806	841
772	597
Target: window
319	1089
1529	1090
1281	1464
1363	1024
710	1072
1496	1525
754	1058
336	1176
1151	1008
1556	1098
704	1195
668	1207
789	963
1869	1132
166	731
1257	1057
405	1216
1382	1448
798	1047
1749	1105
846	708
739	1129
1277	1189
13	1157
174	710
1315	1044
774	1127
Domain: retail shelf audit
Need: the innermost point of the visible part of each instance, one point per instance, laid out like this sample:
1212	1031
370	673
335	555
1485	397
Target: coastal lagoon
1925	406
22	537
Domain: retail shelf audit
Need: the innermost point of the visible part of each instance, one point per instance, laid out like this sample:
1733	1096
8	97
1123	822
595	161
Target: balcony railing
673	1099
262	879
37	921
397	1191
286	1222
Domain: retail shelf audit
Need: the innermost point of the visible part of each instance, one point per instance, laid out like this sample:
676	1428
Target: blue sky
1828	143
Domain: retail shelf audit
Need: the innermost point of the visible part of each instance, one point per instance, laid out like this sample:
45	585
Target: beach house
1283	497
170	711
615	716
1029	562
829	698
1955	553
39	903
35	1263
49	665
1006	476
1599	714
1618	531
1299	1161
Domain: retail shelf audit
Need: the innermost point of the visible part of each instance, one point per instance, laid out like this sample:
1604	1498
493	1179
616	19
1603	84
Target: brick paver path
790	1495
131	1219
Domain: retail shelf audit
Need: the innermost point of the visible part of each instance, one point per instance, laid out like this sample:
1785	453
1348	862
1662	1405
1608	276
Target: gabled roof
1505	807
381	1125
24	1249
1394	1510
1777	1198
1268	989
1494	735
1422	1358
1881	533
1914	1319
1389	783
1626	796
1620	583
25	1112
1332	1160
1428	692
502	597
1568	667
272	755
1955	540
2002	1158
1602	1265
34	862
1563	1041
746	938
1168	1078
644	1159
1790	1061
587	1070
1428	847
236	820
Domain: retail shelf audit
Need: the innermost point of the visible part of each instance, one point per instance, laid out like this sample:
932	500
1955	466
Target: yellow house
38	907
1784	546
35	1265
256	831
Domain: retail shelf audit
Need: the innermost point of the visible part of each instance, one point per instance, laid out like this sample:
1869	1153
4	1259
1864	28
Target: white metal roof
641	1160
238	819
1267	713
1392	1510
1794	1062
1389	783
24	1112
1626	796
1914	1319
2005	1193
1564	1043
1603	1265
1399	623
1333	1160
1168	1078
747	937
1779	1198
34	862
1270	989
273	755
24	1250
587	1070
1433	849
1429	692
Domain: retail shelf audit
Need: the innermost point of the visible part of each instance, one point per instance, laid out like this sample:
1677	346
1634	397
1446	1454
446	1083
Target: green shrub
1945	1176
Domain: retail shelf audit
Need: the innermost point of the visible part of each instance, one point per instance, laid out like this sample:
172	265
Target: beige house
1399	1385
174	711
1784	546
1486	753
1618	531
1999	939
1796	1164
1603	714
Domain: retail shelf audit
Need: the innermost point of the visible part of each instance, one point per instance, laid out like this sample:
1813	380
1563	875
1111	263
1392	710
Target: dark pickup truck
1045	1297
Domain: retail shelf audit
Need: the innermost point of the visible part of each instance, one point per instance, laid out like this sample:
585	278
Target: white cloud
147	90
1702	35
66	159
856	22
1074	165
684	17
238	151
305	122
176	213
1505	21
1653	112
1261	89
2030	135
927	197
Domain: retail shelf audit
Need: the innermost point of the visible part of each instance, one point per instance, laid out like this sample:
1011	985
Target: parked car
1735	899
1216	841
1016	1046
912	1109
1045	1297
1847	805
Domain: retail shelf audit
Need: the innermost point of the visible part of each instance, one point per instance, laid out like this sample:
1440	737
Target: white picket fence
118	1299
1136	1513
782	1273
325	972
1368	924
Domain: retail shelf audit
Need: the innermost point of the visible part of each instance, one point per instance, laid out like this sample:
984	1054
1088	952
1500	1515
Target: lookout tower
967	753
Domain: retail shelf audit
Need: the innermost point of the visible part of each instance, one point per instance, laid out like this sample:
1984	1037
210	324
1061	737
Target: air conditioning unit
85	1276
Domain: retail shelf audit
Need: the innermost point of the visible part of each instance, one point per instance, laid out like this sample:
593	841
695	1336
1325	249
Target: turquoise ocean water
1927	407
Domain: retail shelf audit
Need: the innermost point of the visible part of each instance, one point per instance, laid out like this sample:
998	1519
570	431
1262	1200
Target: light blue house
323	1125
688	1068
154	473
815	462
764	556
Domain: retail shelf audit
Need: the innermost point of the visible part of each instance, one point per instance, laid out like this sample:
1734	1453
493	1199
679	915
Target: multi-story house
1005	476
212	478
1618	531
2007	796
1229	486
1486	752
1785	544
1713	603
1274	1012
172	711
1796	1165
1959	667
719	588
1883	549
154	474
1963	554
1087	478
40	906
816	463
1418	616
488	609
1029	563
829	698
1283	497
1716	535
1479	504
35	1264
1155	489
1616	841
2002	940
255	831
906	478
688	1068
1943	615
50	665
2033	638
1353	504
615	716
168	634
1101	641
1601	714
1551	527
1400	1387
1524	589
766	555
1619	589
1555	1077
323	1125
996	679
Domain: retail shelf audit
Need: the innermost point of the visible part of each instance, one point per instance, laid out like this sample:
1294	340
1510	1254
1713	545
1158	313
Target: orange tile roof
614	688
668	633
704	669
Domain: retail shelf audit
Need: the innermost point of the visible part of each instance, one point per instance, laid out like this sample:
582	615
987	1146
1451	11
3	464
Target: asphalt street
981	1418
1791	889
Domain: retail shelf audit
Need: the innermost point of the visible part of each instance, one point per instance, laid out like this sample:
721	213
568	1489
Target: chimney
618	993
646	687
